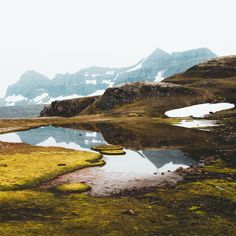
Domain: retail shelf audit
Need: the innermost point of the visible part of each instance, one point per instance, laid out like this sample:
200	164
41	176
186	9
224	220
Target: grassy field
200	207
23	166
203	204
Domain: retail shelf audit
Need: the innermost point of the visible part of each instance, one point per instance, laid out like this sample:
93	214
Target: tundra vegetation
203	203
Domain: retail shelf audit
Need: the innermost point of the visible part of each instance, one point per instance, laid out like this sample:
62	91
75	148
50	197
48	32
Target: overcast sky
58	36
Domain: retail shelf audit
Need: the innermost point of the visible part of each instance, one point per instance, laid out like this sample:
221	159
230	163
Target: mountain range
35	88
213	81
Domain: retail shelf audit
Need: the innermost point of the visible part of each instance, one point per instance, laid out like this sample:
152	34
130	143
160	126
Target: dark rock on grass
61	164
128	212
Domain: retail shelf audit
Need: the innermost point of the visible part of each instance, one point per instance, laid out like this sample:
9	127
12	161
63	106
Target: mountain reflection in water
135	161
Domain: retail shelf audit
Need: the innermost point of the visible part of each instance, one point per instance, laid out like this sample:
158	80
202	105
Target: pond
137	168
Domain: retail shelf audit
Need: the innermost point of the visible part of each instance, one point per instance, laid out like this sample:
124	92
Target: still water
146	166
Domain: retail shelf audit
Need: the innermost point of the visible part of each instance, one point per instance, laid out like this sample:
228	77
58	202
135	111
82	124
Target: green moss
220	167
206	205
25	169
36	213
202	206
73	188
193	208
196	210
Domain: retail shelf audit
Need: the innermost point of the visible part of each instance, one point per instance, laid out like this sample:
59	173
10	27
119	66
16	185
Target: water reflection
138	168
138	162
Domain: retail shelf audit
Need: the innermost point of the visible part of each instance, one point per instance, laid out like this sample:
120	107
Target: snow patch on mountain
35	88
138	66
95	75
109	82
159	77
91	81
110	72
39	99
11	100
96	93
40	89
64	98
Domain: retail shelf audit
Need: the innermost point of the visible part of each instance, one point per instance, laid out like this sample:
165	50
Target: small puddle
138	168
198	124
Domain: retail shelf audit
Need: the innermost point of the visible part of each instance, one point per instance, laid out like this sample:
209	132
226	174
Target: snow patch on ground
196	123
11	100
199	110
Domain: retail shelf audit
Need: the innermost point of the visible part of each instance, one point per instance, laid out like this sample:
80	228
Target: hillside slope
135	99
217	76
211	81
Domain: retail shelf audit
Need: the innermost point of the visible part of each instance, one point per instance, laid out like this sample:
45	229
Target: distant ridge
35	88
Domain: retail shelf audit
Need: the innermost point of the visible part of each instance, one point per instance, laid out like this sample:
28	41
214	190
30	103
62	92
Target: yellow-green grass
23	166
197	206
73	188
13	125
219	167
201	206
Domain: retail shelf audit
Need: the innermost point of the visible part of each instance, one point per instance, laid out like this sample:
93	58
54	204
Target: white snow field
200	110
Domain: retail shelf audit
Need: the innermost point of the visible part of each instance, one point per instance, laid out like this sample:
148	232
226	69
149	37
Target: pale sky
58	36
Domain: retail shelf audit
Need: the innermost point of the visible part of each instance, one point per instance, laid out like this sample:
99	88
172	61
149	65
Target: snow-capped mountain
35	88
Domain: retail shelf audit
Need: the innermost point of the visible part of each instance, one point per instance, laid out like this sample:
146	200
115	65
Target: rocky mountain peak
32	76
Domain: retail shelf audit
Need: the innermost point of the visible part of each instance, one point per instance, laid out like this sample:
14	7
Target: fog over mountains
35	88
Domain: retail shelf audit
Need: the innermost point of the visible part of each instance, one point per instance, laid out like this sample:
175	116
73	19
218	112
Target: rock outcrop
127	93
68	108
157	97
